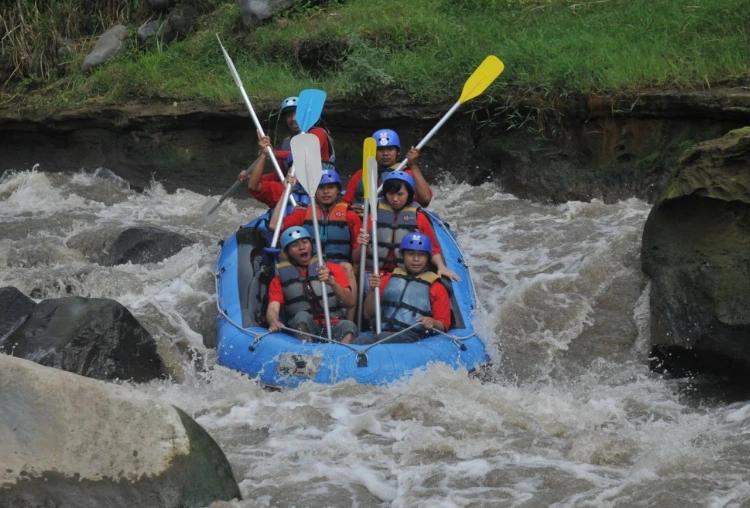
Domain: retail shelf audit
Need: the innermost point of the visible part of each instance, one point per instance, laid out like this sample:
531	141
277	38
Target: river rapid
570	414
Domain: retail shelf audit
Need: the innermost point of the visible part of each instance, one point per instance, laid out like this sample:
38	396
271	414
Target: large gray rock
128	245
70	441
253	12
696	250
111	43
14	309
93	337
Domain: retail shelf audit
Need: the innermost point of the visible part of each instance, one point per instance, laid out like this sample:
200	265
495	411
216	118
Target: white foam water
571	416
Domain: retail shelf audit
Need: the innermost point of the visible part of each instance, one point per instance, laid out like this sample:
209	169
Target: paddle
306	153
211	206
309	107
477	83
238	82
368	152
372	170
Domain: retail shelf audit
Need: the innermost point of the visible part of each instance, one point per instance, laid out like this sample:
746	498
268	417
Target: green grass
389	52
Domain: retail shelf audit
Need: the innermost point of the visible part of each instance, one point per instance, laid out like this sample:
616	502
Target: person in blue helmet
388	158
397	215
269	191
338	225
411	294
288	112
298	290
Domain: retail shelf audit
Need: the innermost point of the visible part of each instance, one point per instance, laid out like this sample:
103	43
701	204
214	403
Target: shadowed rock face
696	250
70	441
14	308
93	337
137	245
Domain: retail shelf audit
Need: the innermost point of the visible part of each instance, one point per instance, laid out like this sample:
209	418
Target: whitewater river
571	416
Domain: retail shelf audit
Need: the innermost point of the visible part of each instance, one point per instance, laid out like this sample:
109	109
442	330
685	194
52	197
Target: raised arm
422	193
256	171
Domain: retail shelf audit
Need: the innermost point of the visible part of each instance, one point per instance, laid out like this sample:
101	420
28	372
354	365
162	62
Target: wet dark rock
69	441
128	245
146	245
15	307
93	337
696	250
111	43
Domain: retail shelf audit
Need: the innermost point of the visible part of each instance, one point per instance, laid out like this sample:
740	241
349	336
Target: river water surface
571	414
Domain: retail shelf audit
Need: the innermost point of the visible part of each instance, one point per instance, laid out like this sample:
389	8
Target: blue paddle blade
309	107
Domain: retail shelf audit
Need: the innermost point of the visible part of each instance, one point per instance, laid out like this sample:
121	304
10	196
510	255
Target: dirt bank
581	148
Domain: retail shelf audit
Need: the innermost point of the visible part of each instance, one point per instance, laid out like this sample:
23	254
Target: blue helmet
288	103
416	241
402	176
330	176
292	234
387	137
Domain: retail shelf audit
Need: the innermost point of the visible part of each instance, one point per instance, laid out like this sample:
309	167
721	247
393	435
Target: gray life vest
392	228
303	292
406	298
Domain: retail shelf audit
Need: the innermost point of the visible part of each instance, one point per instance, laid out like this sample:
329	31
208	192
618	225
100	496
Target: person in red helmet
388	158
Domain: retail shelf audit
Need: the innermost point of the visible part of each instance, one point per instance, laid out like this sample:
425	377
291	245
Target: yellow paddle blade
483	77
368	150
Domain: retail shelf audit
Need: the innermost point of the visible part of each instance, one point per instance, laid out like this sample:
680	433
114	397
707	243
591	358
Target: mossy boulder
696	250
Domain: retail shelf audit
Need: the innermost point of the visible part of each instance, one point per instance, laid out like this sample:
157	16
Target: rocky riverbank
586	147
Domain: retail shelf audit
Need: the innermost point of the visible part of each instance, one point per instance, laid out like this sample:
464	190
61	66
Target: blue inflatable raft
243	272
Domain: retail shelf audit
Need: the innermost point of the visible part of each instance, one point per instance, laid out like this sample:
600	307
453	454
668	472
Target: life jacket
300	196
303	292
392	228
406	298
335	236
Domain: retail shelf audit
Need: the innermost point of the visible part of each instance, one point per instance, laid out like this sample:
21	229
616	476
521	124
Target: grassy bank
388	51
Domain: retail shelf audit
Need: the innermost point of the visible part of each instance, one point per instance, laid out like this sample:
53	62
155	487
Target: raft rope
259	336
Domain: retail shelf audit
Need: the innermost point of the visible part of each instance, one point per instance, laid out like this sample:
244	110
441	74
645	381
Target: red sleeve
351	187
440	303
282	156
355	226
325	151
338	275
296	218
270	193
424	226
411	173
270	177
275	294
